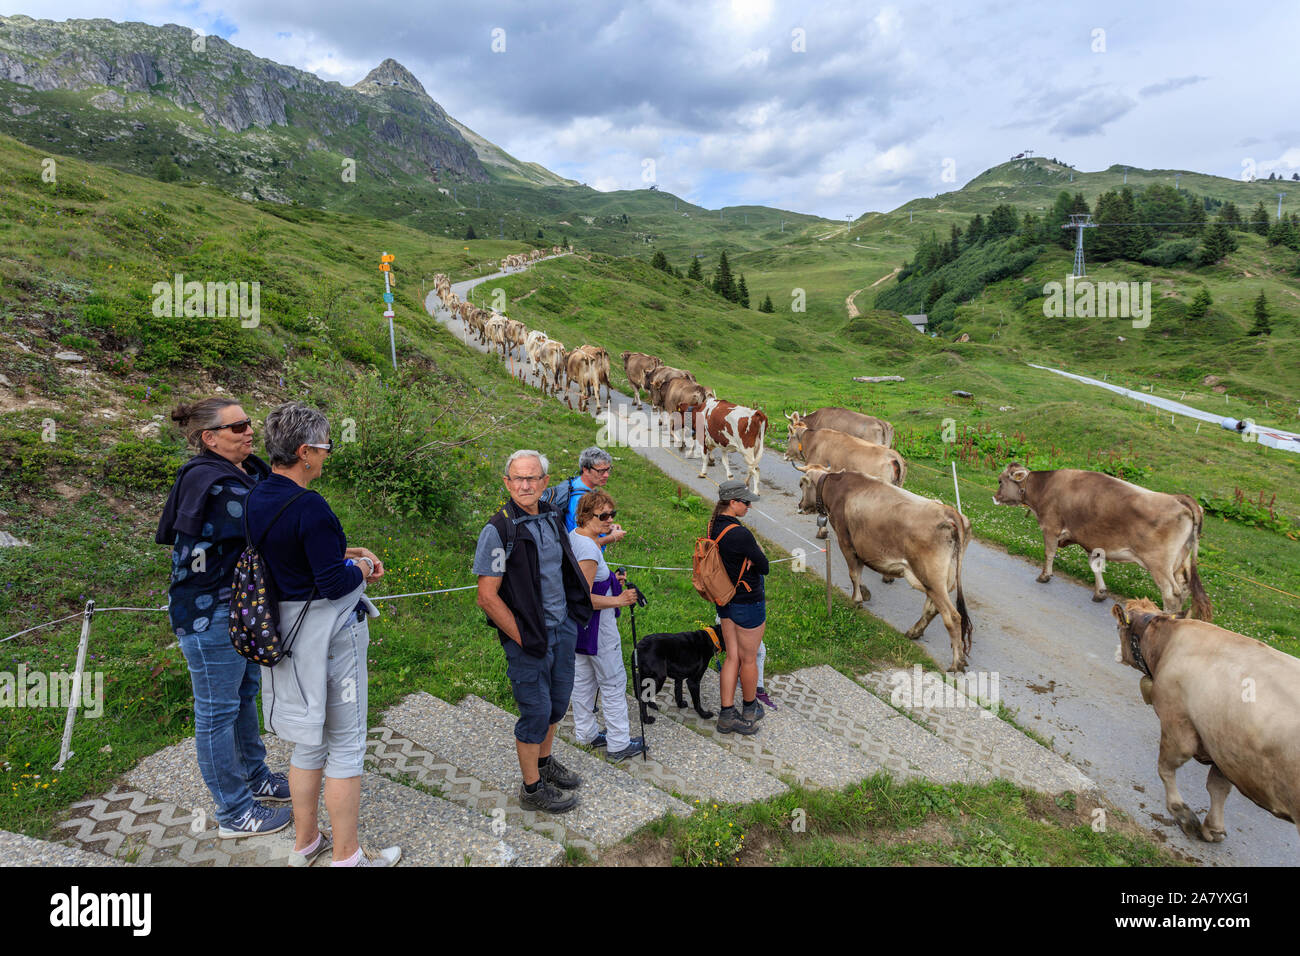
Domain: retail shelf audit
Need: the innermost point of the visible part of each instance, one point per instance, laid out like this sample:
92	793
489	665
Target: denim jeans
232	758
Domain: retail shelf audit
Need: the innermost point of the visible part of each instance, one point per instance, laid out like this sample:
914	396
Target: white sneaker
386	857
297	858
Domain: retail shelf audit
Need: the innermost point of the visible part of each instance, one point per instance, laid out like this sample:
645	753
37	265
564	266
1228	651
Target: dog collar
713	636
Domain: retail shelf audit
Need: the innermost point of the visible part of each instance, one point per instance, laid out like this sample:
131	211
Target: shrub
141	466
386	446
1170	252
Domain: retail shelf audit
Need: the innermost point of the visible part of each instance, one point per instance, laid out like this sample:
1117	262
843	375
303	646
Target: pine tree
1218	242
1230	216
1261	326
767	305
660	262
954	243
1259	219
165	170
469	233
723	283
1201	303
539	234
975	231
742	293
937	288
695	272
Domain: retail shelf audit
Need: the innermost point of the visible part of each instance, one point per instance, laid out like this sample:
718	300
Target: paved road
1050	645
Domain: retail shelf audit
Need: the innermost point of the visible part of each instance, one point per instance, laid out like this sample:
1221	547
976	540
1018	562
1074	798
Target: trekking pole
636	682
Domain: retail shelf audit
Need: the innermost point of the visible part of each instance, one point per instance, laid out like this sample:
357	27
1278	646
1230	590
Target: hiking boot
547	798
752	712
556	773
258	821
307	858
274	789
598	740
637	746
729	721
763	699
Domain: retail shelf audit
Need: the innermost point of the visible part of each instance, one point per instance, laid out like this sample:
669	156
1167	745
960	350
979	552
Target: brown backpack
708	573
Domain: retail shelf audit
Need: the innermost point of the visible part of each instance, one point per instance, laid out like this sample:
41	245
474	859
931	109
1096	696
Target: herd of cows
1225	699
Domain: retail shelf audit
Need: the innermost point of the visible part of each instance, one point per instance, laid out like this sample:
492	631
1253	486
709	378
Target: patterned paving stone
976	732
590	768
605	813
690	764
786	743
845	709
392	753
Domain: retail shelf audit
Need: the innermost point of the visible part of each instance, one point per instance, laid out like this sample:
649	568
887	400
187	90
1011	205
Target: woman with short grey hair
316	696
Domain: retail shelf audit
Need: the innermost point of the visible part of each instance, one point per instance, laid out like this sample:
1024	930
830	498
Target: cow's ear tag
1144	685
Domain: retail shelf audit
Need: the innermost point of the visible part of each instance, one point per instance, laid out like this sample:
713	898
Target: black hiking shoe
548	798
752	712
556	773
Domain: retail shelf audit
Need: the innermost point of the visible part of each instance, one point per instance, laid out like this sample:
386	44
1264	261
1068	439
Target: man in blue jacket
535	595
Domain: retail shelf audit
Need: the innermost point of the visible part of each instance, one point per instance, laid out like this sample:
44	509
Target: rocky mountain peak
390	75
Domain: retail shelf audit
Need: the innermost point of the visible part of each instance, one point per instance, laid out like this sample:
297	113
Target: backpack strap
248	539
744	564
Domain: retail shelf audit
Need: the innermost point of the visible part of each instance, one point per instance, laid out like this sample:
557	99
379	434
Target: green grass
880	822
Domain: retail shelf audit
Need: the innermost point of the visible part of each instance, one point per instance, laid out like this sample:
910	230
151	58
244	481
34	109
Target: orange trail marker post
386	267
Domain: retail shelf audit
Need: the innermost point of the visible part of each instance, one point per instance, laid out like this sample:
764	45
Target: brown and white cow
515	335
726	425
637	365
848	421
898	534
1226	699
1113	520
533	345
588	367
550	361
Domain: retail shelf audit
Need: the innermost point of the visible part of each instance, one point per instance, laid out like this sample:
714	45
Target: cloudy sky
829	108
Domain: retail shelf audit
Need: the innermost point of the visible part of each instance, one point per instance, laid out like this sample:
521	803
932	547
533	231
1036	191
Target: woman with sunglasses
316	697
203	523
598	663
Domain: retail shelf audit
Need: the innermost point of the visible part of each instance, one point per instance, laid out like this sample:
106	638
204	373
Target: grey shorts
542	685
343	750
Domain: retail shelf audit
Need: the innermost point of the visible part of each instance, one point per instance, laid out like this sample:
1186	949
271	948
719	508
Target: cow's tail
967	629
1201	606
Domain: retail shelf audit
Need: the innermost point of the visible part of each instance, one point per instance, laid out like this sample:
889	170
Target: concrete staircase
442	781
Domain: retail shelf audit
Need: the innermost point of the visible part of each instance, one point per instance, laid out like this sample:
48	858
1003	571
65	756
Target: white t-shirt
584	549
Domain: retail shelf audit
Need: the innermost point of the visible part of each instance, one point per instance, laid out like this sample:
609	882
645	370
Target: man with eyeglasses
535	594
594	466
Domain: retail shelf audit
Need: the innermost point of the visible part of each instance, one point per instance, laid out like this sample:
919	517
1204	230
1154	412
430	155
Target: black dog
683	657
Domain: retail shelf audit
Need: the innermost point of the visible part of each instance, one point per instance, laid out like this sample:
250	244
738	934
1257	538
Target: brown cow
494	333
637	365
550	359
681	396
1227	700
841	452
850	422
1116	521
725	425
516	333
588	367
898	534
657	378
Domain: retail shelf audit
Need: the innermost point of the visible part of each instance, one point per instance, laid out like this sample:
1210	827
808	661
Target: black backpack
254	603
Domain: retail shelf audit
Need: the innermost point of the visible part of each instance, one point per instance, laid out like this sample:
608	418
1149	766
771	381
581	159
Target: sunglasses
606	516
327	447
237	428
